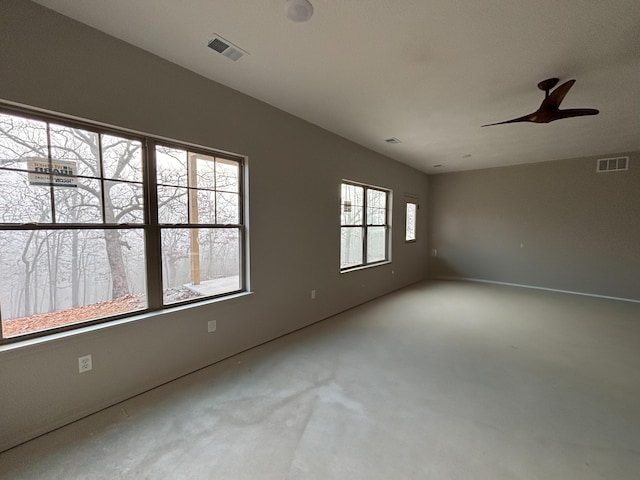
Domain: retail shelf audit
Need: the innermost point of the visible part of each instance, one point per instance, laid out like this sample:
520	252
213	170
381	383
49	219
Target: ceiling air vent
613	164
226	48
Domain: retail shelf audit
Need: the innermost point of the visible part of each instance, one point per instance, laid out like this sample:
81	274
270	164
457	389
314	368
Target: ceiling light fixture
298	10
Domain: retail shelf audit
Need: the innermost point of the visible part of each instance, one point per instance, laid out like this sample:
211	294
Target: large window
364	213
96	223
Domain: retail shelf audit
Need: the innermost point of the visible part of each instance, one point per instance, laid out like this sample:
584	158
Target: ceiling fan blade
554	100
526	118
574	112
549	110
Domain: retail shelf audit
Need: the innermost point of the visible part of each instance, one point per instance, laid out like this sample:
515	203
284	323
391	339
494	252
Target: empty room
314	239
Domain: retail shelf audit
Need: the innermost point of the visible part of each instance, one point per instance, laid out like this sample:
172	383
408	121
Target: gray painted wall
295	169
554	225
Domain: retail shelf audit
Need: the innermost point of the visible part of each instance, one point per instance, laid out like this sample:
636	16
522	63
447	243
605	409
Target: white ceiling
427	72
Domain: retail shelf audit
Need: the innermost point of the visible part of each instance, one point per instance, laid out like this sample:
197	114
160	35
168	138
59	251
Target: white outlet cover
212	325
85	363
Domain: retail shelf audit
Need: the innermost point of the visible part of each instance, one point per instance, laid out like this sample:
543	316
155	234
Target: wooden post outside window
192	165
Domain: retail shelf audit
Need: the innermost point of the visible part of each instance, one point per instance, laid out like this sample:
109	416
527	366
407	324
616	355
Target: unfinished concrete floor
442	380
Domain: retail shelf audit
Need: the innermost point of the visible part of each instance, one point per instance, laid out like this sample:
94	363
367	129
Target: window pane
351	253
228	208
206	206
172	205
376	216
205	171
201	206
171	166
352	205
21	202
80	204
227	175
77	146
124	202
376	199
21	138
51	278
376	207
199	262
376	244
411	222
122	158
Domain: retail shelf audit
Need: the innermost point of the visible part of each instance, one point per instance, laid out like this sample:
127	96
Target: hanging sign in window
57	173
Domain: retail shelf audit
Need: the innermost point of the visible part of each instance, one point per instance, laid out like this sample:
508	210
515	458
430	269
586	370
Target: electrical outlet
434	252
85	363
313	294
212	325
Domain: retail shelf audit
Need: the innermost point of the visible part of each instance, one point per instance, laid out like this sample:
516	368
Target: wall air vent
392	140
613	164
226	48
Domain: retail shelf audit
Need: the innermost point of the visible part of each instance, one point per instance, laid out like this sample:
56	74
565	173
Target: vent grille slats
218	45
612	164
225	47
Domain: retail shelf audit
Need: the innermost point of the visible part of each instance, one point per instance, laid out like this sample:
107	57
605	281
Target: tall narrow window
410	222
364	213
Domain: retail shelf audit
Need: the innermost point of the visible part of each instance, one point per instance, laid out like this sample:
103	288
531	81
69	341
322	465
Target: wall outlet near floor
85	363
434	252
313	294
212	325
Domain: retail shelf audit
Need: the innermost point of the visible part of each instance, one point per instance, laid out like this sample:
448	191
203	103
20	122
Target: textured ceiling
427	72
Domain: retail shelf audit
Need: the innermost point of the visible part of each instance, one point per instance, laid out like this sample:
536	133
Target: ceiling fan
550	107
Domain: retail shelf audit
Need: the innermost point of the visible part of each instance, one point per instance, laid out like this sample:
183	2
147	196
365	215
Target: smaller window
410	227
365	225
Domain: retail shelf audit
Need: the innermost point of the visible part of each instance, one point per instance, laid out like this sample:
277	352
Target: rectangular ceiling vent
226	48
613	164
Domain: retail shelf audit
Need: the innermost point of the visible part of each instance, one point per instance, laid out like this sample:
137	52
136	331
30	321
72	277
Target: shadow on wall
441	268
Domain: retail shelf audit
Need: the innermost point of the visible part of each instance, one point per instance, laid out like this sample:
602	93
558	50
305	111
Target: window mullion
152	230
215	191
51	187
103	207
365	229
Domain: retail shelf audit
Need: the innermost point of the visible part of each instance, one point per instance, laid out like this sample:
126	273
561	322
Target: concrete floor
438	381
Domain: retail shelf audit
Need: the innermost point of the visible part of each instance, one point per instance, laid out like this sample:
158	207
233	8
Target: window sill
364	267
31	342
